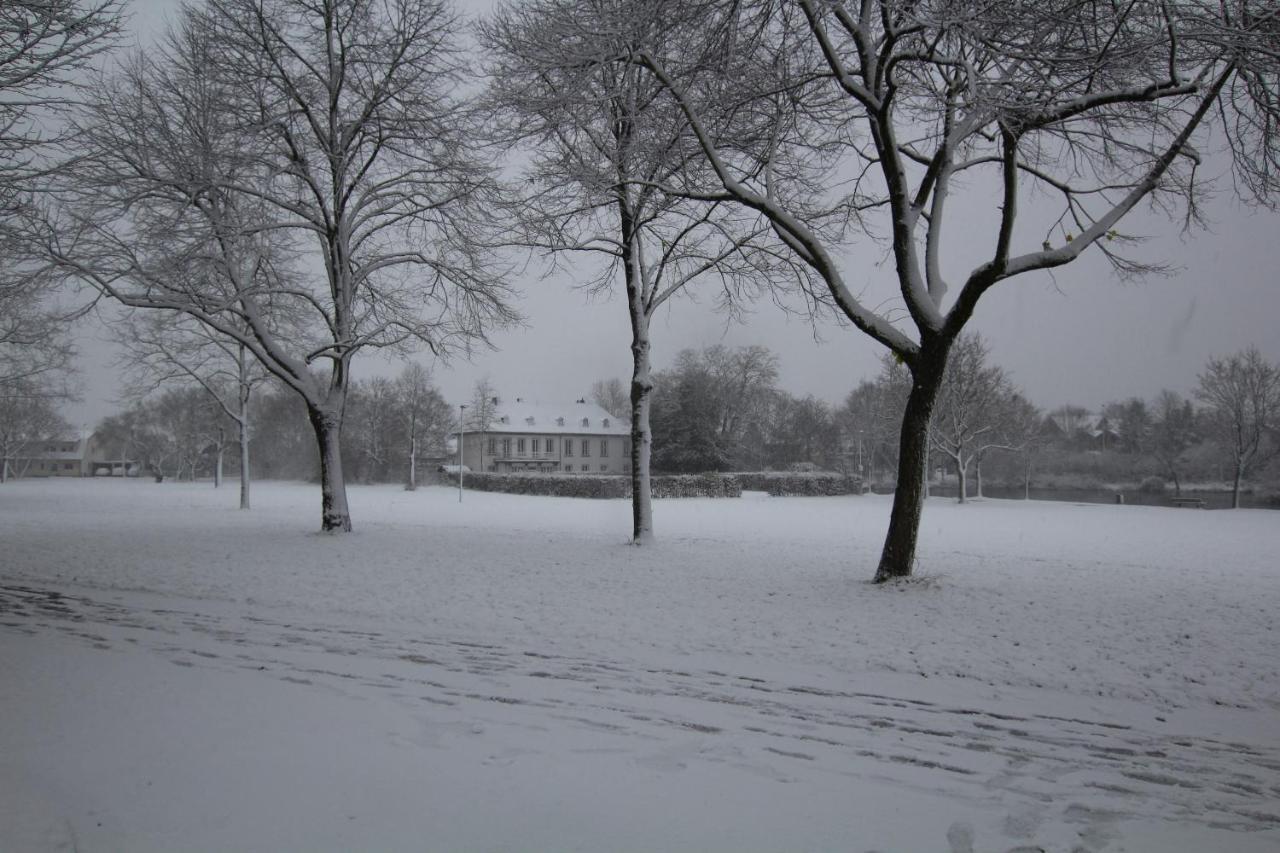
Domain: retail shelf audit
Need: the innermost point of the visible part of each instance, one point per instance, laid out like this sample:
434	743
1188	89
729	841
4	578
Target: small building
569	438
80	455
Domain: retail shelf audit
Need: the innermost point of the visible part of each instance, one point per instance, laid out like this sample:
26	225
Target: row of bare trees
763	109
303	179
393	426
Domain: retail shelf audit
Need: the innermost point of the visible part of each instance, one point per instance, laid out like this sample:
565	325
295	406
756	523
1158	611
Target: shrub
1153	486
601	485
798	483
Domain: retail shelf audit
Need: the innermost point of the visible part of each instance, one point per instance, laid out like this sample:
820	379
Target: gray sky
1079	336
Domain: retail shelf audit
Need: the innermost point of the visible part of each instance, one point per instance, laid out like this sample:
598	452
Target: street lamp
462	431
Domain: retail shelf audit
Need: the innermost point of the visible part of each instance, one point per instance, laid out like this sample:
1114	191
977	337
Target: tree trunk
244	457
641	436
977	473
899	553
217	466
334	515
412	485
962	480
1235	486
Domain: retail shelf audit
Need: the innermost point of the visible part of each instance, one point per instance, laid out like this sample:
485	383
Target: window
604	467
586	467
586	447
67	466
520	446
604	447
586	421
506	447
493	445
568	447
559	421
605	423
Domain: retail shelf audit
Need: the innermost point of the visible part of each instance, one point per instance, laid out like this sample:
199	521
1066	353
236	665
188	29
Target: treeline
720	409
395	428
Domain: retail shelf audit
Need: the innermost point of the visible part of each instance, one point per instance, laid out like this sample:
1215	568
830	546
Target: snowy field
506	674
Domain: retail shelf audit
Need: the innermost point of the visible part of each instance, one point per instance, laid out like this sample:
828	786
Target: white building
571	438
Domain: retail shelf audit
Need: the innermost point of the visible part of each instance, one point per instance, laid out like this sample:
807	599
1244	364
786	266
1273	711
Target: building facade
84	455
565	438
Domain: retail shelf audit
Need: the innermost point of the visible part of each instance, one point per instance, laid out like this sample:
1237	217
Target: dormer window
586	422
605	423
559	421
529	420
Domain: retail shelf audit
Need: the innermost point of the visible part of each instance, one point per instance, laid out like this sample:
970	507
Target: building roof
581	418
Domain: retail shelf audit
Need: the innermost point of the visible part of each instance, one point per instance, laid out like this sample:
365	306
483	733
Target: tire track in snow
1093	773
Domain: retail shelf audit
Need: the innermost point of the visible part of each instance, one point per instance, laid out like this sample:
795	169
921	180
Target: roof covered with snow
579	418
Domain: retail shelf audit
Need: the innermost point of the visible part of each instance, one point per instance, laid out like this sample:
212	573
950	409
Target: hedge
799	483
602	485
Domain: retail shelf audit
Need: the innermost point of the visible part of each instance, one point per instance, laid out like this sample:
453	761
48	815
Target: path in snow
1047	773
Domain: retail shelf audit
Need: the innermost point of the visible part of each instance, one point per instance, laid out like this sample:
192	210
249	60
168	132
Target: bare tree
1173	432
286	157
45	47
163	349
427	415
604	141
971	403
1242	393
1098	104
28	417
612	396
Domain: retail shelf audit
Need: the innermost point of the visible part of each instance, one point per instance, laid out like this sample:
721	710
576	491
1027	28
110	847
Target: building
570	438
83	455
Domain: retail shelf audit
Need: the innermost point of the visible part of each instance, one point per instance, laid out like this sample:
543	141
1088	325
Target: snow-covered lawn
507	674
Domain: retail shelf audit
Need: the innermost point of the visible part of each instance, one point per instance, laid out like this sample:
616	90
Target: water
1212	500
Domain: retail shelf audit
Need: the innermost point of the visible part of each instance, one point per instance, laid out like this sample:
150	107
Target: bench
1197	503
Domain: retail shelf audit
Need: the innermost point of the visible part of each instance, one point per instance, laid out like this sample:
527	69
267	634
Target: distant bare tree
968	415
611	395
427	416
1242	394
483	406
283	156
1173	432
28	417
1101	105
163	349
602	140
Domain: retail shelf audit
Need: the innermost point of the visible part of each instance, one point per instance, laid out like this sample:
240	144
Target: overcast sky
1079	336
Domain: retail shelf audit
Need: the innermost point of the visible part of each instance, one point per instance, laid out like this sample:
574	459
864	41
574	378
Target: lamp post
462	431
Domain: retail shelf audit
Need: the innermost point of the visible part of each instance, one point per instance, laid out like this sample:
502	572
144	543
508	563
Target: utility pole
462	432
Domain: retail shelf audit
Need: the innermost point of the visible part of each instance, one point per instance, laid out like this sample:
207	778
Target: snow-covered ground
507	674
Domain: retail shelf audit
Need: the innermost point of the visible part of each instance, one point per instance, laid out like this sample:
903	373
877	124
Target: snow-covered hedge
800	483
602	485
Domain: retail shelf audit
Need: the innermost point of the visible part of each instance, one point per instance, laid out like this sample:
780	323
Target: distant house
571	438
1081	427
82	455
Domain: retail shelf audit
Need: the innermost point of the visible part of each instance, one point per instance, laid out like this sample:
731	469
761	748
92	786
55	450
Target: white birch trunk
413	459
